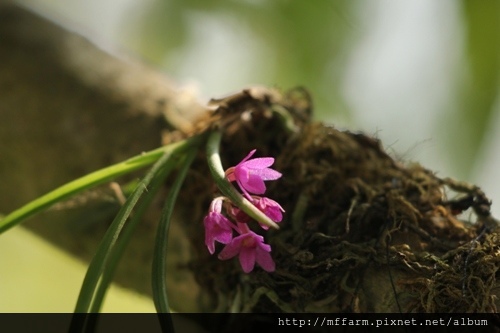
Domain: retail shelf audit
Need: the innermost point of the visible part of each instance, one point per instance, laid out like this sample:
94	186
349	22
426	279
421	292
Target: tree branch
69	108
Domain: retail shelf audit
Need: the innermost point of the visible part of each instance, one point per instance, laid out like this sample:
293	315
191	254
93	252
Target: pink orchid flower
217	226
270	208
250	174
251	249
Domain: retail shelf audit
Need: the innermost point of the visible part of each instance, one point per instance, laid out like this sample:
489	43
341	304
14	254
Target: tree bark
68	108
65	101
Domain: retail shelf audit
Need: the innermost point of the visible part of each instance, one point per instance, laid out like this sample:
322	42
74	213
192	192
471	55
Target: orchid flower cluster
250	175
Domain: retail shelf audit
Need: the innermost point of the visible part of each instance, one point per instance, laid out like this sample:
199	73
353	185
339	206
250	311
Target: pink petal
247	258
223	236
268	174
270	208
231	249
254	184
241	173
258	163
263	246
264	260
217	228
209	238
274	214
210	244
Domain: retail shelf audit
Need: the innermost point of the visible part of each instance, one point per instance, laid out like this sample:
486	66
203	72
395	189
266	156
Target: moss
362	232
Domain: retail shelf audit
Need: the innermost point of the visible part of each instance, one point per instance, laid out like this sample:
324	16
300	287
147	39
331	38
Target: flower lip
251	250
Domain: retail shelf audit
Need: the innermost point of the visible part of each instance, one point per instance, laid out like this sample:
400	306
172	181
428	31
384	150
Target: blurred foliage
307	39
479	91
309	43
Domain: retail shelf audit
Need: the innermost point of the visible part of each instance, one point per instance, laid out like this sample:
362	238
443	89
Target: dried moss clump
362	231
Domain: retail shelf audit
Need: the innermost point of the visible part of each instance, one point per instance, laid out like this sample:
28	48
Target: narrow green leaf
100	260
90	180
159	263
128	230
105	251
104	263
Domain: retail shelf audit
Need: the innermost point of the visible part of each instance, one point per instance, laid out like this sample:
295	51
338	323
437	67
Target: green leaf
128	230
478	91
91	180
105	261
102	267
159	263
104	252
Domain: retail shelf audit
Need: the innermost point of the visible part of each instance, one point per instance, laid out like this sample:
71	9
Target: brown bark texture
68	108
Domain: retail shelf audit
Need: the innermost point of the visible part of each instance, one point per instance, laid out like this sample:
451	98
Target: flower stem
215	165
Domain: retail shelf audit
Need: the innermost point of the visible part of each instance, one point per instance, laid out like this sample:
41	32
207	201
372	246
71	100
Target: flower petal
231	249
217	228
223	236
263	246
254	184
241	173
209	235
210	243
264	260
258	163
271	208
268	174
274	214
247	258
